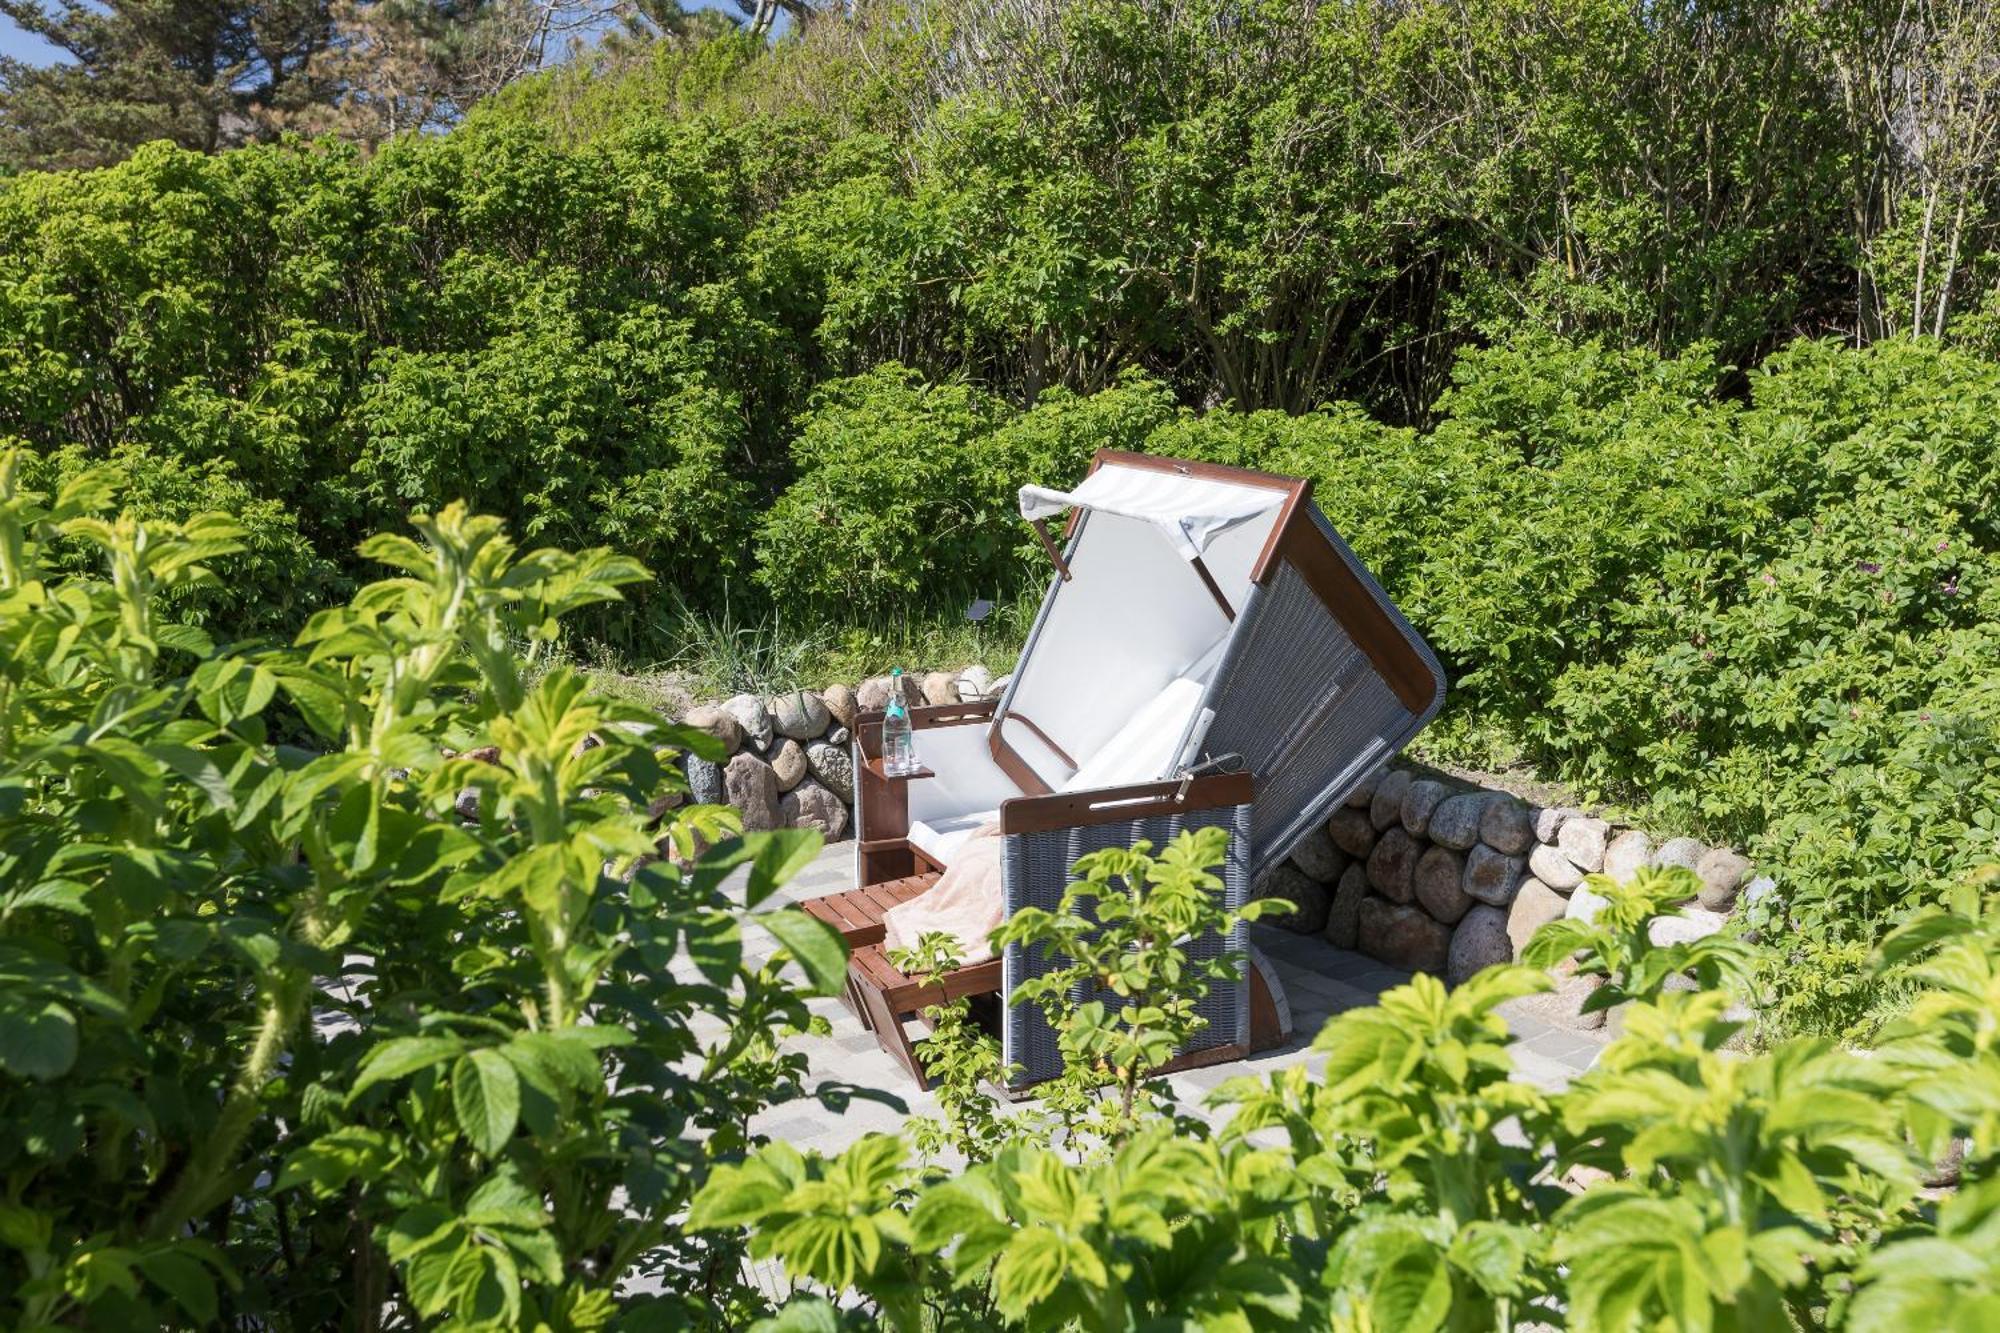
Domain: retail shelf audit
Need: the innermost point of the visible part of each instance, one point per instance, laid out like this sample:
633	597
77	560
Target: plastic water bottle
899	755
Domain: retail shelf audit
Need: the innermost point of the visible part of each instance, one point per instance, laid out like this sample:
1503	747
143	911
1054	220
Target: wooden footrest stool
856	914
887	996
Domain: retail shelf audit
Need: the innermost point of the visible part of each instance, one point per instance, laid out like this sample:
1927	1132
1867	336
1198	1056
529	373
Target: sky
24	46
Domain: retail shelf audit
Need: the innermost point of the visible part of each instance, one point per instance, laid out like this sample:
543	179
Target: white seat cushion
941	836
1144	747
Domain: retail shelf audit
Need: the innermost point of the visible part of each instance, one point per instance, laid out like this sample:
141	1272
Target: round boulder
704	781
1554	869
1491	877
833	767
752	788
1629	853
1402	936
872	695
1343	913
1392	866
1318	857
751	714
1439	886
940	687
840	701
1549	821
1722	872
1363	794
1351	832
1309	900
1387	807
1582	842
1479	943
1684	927
1686	853
788	763
1455	822
1585	904
1535	905
810	805
718	723
1419	802
801	715
974	682
1506	826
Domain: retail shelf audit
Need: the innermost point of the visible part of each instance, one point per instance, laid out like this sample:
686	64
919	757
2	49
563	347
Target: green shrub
906	492
1417	1182
300	1035
276	577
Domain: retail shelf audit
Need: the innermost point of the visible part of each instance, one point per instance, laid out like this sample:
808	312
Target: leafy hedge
790	328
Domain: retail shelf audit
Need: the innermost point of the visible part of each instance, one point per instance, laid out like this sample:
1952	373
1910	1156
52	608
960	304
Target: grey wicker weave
1037	871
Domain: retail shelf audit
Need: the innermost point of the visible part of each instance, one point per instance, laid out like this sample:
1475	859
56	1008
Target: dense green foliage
1417	1183
1520	287
384	1029
285	1038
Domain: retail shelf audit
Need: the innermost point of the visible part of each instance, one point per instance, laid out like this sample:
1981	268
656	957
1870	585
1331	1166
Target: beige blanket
967	902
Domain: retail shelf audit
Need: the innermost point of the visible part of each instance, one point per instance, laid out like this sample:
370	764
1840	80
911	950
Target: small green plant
1419	1183
1617	943
1123	995
962	1061
724	654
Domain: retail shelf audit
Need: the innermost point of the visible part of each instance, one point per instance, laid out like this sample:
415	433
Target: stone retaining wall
789	764
1418	869
1431	874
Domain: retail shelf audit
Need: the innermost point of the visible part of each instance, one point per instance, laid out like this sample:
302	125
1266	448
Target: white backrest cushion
967	778
1145	746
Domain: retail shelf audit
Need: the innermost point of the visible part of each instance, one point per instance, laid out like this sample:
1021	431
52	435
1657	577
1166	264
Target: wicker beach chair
1209	652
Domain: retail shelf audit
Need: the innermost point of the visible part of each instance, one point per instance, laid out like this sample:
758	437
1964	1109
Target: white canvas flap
1191	511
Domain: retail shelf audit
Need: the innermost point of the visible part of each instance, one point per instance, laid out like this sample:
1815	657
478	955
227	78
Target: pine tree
200	73
209	75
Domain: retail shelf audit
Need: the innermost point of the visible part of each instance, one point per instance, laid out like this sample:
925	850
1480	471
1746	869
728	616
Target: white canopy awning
1191	511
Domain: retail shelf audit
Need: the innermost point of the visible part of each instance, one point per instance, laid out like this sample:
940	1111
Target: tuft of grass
929	641
725	654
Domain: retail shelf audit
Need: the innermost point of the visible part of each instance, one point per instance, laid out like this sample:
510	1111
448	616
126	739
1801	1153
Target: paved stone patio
858	1089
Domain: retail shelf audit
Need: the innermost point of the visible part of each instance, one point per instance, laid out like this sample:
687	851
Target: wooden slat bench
857	915
887	996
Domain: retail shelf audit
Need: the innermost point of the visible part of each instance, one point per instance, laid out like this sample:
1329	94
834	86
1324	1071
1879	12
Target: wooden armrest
876	767
1117	805
951	715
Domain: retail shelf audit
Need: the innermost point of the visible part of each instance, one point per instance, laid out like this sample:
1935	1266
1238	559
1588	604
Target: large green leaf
403	1055
185	1278
37	1037
776	857
488	1099
814	945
